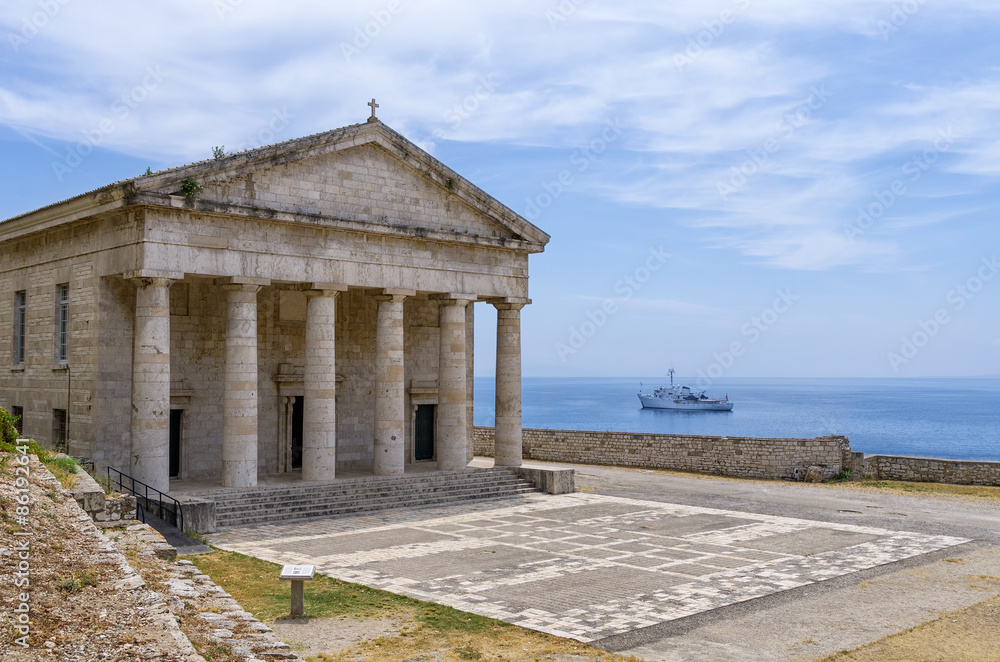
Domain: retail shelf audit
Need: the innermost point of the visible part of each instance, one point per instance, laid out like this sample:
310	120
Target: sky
734	188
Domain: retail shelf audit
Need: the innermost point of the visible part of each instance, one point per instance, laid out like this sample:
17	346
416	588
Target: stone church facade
303	306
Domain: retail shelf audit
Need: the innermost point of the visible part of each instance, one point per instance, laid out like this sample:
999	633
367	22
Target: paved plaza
585	566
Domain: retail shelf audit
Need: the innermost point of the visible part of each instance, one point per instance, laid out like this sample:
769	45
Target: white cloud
688	124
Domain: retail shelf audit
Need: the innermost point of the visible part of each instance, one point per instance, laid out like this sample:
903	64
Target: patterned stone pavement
583	566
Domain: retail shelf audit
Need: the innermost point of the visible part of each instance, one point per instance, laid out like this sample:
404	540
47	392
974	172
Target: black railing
165	507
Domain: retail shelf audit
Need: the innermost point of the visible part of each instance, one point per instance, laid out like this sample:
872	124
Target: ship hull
653	402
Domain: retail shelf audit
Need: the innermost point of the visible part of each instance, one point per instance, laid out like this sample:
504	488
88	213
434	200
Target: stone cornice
87	205
179	203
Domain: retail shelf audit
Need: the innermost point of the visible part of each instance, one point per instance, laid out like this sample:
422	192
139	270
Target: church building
302	307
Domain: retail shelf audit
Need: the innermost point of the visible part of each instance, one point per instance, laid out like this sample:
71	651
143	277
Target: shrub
8	431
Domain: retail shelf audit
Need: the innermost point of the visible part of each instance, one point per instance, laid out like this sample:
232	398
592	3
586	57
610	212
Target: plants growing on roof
190	188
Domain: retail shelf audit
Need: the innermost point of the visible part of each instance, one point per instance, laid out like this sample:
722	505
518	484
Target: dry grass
965	492
516	644
968	635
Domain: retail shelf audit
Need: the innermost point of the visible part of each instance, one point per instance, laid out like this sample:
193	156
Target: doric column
239	413
319	423
390	413
150	461
451	441
508	385
470	379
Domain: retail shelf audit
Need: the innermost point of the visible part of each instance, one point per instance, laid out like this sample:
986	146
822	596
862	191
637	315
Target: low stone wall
118	508
102	508
932	470
727	456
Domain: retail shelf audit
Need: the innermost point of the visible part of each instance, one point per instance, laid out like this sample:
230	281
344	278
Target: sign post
298	574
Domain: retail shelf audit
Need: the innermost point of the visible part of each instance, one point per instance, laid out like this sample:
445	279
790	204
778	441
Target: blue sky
738	188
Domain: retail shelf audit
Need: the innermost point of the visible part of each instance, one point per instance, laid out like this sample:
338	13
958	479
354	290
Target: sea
956	418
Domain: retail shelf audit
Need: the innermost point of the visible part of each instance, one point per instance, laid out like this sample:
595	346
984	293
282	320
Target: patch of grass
62	467
106	484
64	462
446	619
935	489
842	476
197	536
213	651
77	581
255	585
468	653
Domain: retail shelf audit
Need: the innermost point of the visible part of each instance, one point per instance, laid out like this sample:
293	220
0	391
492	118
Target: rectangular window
59	430
20	317
62	323
18	413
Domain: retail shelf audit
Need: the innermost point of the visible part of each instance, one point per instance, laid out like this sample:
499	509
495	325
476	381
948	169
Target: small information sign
297	572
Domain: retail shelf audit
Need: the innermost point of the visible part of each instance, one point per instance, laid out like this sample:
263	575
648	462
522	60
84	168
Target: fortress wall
932	470
728	456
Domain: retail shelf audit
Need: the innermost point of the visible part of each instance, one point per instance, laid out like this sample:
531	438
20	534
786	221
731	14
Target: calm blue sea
948	418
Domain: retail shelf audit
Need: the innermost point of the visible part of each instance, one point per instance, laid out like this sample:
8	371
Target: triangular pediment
363	175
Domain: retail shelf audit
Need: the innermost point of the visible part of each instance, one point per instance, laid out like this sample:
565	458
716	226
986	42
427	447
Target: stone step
338	491
263	504
389	499
247	520
374	490
352	483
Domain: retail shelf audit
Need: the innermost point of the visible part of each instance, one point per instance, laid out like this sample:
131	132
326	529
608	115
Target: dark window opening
59	441
18	414
20	318
62	323
175	442
297	418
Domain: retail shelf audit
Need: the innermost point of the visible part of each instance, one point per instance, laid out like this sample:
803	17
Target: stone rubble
203	608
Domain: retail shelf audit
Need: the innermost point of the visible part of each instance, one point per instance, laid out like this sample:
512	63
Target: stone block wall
117	508
727	456
932	470
37	264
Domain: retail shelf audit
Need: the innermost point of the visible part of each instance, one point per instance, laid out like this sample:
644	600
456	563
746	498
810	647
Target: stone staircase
283	503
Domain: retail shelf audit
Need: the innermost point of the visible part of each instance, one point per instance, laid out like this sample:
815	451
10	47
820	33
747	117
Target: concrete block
88	494
199	514
550	481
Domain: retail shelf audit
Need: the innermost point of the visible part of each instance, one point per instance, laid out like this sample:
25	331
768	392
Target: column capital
155	281
395	298
454	298
393	294
323	289
146	277
241	287
508	303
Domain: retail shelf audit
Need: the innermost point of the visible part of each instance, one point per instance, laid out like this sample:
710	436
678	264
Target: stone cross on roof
373	107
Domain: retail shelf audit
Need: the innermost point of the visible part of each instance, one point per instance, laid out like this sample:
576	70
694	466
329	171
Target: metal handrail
171	505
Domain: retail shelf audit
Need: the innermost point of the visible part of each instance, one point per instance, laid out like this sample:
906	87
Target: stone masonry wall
728	456
932	470
39	385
